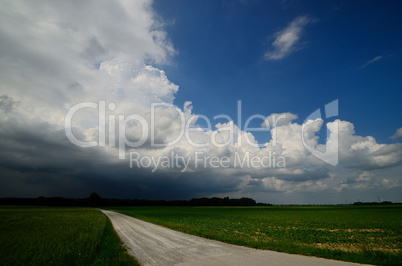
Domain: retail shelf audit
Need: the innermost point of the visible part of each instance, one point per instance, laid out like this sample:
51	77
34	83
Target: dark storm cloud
305	175
37	159
7	103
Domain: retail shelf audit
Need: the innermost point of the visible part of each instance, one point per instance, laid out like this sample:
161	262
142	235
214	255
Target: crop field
59	236
364	234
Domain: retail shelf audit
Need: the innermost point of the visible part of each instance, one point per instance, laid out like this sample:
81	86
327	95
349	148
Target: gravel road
156	245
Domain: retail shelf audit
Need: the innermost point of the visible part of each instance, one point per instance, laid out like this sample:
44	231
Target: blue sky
221	47
279	58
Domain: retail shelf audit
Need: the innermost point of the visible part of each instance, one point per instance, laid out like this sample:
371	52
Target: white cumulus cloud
397	134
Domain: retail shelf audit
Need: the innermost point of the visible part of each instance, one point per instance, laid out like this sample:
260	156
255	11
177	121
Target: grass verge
61	236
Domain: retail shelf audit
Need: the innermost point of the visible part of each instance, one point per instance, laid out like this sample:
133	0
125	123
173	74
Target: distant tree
94	196
95	199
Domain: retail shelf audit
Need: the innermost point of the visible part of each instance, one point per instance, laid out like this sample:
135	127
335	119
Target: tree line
94	200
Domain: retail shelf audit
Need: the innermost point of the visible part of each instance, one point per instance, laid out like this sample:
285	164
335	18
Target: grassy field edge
34	235
111	250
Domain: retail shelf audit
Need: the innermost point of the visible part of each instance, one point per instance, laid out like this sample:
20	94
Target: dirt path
156	245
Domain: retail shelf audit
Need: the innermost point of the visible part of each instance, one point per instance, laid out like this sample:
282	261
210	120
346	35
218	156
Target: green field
59	236
364	234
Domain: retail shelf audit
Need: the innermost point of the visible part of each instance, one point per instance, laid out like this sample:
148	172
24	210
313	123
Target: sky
286	102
